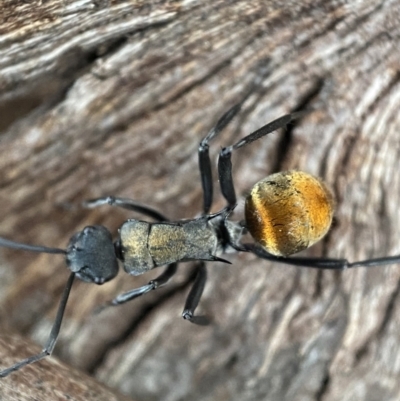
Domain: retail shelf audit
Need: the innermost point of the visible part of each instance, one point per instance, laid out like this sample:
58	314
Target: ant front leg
192	300
152	285
125	203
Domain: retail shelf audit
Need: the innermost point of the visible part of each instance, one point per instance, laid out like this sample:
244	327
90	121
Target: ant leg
323	263
152	285
125	203
224	160
51	342
204	156
194	297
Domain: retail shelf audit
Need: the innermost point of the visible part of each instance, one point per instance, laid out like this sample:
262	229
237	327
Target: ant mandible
285	213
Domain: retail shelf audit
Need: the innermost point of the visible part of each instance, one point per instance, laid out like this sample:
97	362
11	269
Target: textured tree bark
48	381
112	98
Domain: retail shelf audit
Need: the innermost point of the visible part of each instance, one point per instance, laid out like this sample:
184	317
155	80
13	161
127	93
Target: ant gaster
285	213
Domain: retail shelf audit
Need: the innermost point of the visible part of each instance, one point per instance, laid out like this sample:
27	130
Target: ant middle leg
194	296
192	300
204	156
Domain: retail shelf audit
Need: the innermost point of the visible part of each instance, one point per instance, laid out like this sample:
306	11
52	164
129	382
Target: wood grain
112	98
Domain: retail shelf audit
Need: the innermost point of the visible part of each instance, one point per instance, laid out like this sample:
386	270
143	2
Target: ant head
91	255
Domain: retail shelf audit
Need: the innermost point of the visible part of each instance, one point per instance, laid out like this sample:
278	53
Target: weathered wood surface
107	97
52	380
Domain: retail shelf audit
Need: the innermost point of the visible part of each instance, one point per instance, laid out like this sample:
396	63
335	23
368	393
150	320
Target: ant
285	213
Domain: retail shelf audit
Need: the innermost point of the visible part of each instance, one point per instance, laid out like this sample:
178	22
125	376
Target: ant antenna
51	342
32	248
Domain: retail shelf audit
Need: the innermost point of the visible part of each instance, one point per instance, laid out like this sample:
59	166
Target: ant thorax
145	246
229	234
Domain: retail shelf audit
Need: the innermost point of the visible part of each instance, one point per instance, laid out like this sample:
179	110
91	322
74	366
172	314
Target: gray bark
112	98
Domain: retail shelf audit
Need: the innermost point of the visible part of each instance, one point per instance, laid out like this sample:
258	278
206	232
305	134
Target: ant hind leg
224	160
322	263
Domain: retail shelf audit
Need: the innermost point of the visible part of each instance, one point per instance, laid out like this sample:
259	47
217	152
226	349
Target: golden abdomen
289	211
